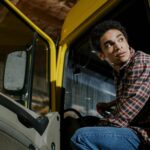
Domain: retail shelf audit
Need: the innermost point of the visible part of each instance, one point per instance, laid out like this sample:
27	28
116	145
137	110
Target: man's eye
121	39
108	45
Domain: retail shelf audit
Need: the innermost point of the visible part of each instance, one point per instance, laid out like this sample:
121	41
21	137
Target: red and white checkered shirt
133	95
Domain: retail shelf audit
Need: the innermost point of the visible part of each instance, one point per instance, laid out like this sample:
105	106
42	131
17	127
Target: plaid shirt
133	95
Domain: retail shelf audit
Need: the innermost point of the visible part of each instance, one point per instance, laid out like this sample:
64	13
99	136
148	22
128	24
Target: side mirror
15	68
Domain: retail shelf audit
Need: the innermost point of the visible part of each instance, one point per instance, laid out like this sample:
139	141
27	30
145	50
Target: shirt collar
132	52
124	66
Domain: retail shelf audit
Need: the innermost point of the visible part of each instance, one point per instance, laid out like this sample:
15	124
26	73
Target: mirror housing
15	69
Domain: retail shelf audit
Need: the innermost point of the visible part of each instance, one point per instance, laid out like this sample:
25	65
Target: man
128	126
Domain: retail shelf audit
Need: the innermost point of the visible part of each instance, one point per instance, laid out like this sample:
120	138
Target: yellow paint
82	15
60	65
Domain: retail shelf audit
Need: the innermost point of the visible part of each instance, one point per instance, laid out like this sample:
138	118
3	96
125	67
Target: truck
43	82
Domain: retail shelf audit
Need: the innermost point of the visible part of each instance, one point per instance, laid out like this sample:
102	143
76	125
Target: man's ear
101	56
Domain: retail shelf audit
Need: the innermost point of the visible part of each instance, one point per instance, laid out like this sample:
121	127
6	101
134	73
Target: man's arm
135	95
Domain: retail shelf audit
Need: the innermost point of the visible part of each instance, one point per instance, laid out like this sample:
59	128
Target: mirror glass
14	74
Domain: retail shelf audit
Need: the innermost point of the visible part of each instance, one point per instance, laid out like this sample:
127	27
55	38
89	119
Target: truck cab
42	83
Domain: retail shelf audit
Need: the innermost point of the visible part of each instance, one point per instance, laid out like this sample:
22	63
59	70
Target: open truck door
28	119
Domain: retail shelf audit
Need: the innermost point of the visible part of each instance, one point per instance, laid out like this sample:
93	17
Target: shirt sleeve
135	94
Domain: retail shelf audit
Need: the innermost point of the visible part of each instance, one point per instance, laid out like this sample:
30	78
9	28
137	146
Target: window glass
40	92
16	35
85	87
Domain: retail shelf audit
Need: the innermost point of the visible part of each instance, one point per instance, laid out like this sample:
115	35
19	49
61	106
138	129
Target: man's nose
117	46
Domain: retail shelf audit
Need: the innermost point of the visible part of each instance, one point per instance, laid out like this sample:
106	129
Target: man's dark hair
100	29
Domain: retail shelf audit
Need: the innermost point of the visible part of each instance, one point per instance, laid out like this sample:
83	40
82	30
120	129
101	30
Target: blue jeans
105	138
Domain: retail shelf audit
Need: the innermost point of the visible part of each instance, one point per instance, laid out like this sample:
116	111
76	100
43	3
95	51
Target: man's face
114	48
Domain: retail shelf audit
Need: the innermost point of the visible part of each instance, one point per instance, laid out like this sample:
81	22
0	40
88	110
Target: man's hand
101	107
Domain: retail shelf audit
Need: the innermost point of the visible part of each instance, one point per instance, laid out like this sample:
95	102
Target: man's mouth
120	54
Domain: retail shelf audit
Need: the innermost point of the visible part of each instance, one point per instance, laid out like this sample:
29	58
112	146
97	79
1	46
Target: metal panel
85	12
